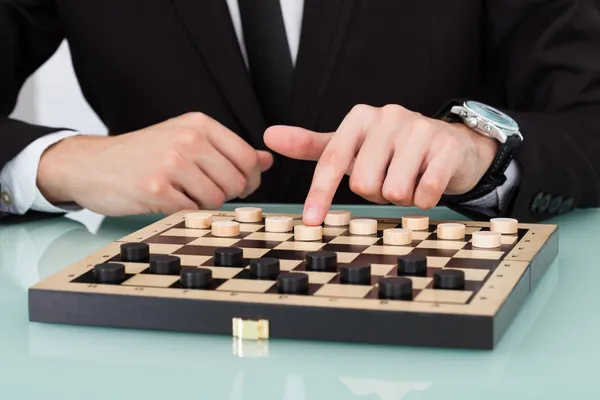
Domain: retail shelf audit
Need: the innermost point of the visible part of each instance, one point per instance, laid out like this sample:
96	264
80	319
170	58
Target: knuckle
256	184
306	144
362	186
187	205
422	125
393	110
240	185
452	142
154	186
195	118
187	138
395	194
422	204
173	161
432	186
252	158
425	202
216	200
249	161
329	158
361	110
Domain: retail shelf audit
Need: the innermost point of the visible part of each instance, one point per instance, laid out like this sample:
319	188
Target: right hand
188	162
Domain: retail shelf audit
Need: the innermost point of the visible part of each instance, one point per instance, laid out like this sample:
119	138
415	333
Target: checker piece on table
408	281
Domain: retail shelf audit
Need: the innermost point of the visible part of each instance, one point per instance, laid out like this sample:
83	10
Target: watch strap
494	176
446	113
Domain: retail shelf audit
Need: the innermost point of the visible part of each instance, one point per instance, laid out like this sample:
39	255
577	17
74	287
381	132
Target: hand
391	154
188	162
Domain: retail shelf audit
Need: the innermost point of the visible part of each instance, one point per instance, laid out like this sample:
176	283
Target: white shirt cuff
20	193
498	198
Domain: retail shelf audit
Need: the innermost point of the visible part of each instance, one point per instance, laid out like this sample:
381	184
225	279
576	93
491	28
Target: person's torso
140	63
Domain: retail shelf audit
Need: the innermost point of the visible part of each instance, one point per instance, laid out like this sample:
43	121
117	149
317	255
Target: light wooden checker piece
499	281
198	220
279	224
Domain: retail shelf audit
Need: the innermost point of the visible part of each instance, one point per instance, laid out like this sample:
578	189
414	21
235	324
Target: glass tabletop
550	350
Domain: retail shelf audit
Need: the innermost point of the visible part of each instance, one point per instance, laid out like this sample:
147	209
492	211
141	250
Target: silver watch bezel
484	125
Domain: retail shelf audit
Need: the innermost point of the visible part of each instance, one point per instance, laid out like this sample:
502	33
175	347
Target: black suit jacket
141	62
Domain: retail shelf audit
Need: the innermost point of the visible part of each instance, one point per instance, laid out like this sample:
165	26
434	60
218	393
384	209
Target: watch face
490	113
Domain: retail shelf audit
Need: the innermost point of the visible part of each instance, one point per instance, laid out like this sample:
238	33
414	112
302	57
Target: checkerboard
497	282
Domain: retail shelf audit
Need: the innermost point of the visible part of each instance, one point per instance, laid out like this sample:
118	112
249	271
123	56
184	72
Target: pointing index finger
335	161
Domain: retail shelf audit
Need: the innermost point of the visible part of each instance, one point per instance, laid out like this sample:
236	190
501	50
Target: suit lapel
324	24
323	27
323	31
209	25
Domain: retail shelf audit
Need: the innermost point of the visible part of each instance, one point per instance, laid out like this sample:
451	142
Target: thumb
295	142
265	160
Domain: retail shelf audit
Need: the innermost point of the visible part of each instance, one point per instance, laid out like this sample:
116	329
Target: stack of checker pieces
189	242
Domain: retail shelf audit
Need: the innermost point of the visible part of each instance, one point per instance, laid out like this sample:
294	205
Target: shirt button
544	203
566	205
555	204
5	198
535	204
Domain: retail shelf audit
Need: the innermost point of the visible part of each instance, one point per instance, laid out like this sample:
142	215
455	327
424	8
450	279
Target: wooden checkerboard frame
473	318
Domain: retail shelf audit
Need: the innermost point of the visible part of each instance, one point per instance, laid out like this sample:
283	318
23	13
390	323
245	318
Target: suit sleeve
543	63
30	33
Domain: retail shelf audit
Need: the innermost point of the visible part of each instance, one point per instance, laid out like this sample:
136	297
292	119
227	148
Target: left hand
392	155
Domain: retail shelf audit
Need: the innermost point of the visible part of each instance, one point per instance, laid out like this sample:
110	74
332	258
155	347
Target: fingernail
312	214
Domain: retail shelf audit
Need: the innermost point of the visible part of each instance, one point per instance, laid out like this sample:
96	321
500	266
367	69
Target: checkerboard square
443	296
288	265
480	254
251	253
420	282
441	244
346	257
135	268
174	240
151	280
343	290
318	277
215	242
377	259
222	218
246	285
223	272
270	236
195	233
331	231
437	262
250	227
389	250
354	240
259	244
381	226
471	263
443	253
344	248
286	254
300	246
381	269
196	251
474	274
420	235
164	248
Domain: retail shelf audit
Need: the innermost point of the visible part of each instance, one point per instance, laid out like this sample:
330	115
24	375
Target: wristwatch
490	122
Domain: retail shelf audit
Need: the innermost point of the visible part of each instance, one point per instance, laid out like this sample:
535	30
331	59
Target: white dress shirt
18	177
